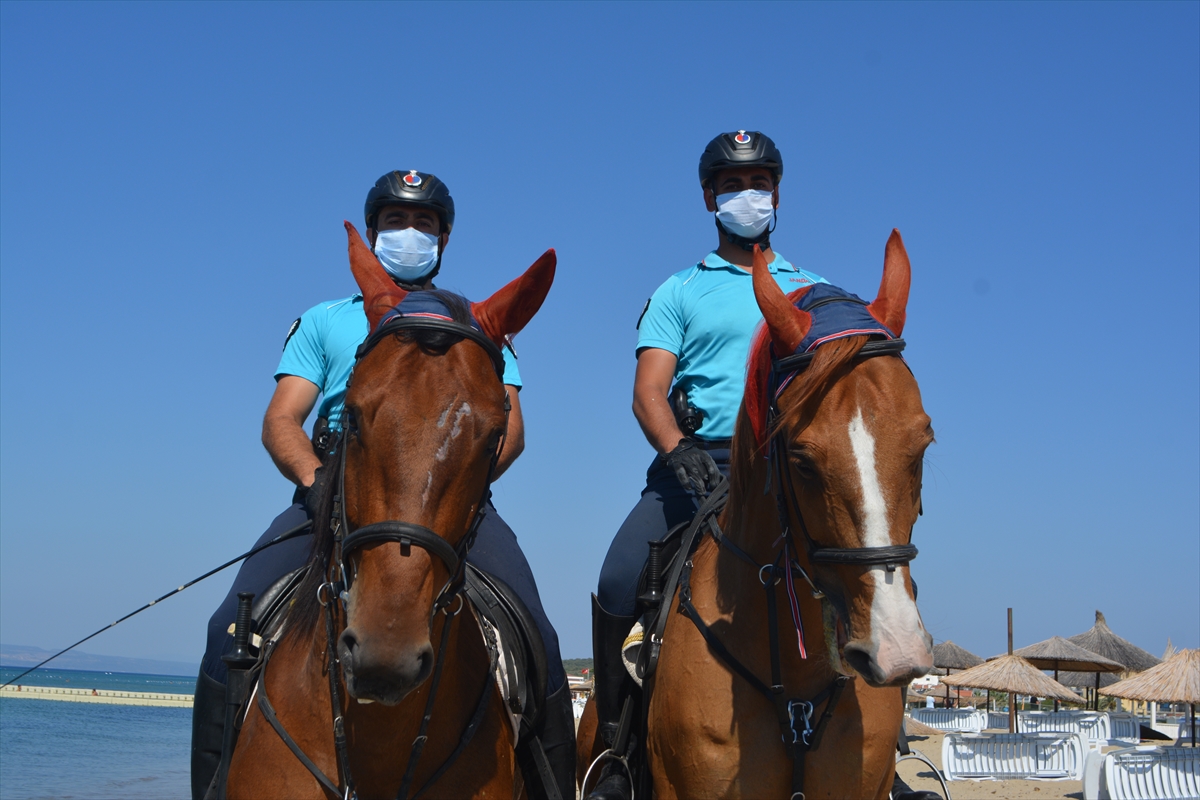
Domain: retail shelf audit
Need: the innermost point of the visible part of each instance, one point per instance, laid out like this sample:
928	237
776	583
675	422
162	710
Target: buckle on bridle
803	734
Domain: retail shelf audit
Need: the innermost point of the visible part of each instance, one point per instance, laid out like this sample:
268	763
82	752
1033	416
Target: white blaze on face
896	629
463	411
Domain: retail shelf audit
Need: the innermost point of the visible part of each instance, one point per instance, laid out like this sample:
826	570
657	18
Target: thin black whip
283	537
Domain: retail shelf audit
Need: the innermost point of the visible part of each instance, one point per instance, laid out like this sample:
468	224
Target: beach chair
1124	728
1185	732
997	720
962	720
1143	773
1006	756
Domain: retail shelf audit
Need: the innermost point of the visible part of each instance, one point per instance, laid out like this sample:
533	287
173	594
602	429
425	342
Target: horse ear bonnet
434	305
836	314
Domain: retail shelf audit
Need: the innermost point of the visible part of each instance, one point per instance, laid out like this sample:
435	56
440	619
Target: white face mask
408	255
747	213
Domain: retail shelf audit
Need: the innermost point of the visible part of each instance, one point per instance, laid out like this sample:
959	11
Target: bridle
339	579
403	532
782	372
799	724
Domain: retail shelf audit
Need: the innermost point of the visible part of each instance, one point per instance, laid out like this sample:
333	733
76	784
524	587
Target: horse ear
380	294
889	306
788	324
510	309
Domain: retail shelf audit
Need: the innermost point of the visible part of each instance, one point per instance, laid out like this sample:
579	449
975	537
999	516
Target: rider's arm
651	385
283	429
514	437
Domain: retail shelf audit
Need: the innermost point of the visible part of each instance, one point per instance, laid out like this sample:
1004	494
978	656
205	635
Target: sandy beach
919	776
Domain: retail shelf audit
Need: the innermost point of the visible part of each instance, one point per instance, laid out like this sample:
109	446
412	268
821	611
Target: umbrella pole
1056	681
1192	720
1012	697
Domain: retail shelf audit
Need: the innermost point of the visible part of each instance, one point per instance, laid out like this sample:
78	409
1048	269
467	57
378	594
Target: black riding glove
312	495
694	467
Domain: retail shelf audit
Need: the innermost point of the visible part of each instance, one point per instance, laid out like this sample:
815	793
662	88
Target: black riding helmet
740	149
416	188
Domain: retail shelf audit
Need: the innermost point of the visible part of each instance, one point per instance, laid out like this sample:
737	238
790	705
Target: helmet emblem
742	137
412	178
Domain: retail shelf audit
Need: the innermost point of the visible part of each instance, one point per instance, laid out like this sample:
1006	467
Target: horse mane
305	610
830	362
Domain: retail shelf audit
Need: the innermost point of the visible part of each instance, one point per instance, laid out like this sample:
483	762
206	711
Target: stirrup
610	755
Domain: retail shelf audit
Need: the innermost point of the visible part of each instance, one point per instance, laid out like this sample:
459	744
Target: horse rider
409	217
695	331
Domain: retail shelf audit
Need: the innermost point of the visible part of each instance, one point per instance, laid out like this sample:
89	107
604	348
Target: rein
798	730
407	534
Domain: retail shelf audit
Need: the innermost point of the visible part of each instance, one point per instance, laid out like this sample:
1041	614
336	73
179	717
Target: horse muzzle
884	660
383	674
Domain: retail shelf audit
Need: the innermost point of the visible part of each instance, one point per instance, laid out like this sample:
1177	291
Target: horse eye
803	464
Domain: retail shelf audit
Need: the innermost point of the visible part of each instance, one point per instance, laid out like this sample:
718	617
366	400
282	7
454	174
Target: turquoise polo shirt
320	348
706	316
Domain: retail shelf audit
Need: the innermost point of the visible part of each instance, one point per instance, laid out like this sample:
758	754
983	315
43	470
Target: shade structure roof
1087	679
1176	680
948	655
1011	673
1102	641
1058	653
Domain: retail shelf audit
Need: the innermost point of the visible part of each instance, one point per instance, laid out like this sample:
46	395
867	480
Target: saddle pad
521	665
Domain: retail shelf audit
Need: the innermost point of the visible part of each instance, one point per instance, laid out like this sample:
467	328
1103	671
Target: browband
875	347
400	323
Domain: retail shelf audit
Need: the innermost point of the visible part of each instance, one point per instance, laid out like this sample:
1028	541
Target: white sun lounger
963	720
1005	756
1143	773
1098	728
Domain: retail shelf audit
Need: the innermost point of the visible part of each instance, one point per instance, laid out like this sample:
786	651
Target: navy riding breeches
495	551
664	504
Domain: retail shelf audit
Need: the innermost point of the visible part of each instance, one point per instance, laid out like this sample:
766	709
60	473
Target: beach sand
919	776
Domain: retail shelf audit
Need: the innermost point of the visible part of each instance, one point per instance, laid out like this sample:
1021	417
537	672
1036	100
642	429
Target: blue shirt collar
714	261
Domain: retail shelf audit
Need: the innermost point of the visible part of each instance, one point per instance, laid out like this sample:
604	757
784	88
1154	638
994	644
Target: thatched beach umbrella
1056	652
1176	680
948	656
1011	673
1102	641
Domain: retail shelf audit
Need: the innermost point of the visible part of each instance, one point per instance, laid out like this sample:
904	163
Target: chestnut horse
377	680
825	476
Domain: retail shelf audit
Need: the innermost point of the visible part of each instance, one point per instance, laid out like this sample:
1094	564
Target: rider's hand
693	466
312	496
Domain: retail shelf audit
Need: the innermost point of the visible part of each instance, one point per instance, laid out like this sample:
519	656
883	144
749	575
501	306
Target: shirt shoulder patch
645	308
291	332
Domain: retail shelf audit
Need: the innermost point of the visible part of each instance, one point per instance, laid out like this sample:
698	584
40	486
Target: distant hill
23	657
576	666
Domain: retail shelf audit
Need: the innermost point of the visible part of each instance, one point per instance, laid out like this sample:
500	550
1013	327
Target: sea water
90	751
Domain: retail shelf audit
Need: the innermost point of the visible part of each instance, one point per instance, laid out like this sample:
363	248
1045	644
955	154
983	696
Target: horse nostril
347	644
424	663
861	662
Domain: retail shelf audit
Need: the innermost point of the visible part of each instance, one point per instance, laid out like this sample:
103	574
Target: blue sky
173	179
